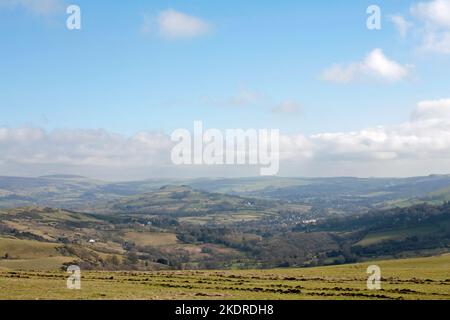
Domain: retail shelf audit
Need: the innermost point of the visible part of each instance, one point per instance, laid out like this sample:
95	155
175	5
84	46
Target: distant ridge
62	176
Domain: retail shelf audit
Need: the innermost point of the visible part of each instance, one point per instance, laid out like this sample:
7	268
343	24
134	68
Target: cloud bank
418	146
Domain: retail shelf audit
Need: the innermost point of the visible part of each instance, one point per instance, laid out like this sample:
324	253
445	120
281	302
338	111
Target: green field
398	235
156	239
419	278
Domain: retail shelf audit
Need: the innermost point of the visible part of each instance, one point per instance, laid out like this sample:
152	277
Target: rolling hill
223	223
335	195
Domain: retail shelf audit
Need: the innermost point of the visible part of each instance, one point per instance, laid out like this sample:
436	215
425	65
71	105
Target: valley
225	239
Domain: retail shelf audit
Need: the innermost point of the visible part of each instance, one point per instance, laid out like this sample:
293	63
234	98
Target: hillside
256	225
190	204
140	236
67	191
53	191
327	196
46	238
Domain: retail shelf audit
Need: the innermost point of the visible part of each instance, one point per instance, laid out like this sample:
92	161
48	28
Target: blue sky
121	74
111	75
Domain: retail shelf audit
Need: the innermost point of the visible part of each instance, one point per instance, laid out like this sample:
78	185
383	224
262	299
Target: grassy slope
420	278
199	207
440	195
442	227
156	239
434	198
29	254
398	234
26	249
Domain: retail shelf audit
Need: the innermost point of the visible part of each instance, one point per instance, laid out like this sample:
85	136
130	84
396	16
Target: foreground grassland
420	278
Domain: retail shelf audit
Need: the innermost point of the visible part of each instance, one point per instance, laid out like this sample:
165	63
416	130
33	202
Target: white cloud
39	7
174	24
375	66
427	136
411	141
287	107
432	110
403	26
435	31
378	64
419	146
34	146
438	42
435	13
